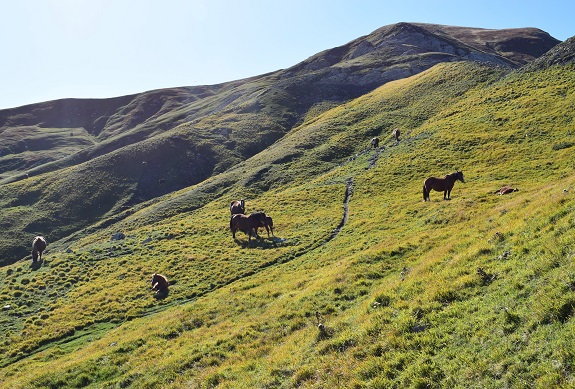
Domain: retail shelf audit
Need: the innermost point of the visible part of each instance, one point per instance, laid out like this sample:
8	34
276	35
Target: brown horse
238	207
506	190
267	223
38	246
444	185
159	283
247	224
375	142
396	134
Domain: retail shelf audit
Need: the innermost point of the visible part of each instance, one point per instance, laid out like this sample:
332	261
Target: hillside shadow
36	265
262	243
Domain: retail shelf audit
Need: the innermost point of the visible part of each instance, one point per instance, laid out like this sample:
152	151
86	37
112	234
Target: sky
53	49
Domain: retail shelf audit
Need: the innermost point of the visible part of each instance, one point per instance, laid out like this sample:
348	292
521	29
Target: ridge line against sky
56	49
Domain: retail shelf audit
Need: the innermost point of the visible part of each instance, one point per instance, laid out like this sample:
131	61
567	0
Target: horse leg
425	196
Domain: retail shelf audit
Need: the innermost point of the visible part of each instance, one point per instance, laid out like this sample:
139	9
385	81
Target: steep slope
473	292
518	45
562	54
404	49
133	149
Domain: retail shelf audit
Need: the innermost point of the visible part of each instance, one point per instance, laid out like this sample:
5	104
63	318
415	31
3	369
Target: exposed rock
118	236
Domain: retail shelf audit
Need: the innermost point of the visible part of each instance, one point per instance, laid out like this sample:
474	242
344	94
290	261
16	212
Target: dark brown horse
159	283
444	185
238	207
267	223
247	224
38	246
396	134
375	142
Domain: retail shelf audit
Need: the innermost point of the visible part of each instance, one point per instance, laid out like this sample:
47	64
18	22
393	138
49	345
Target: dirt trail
375	157
346	198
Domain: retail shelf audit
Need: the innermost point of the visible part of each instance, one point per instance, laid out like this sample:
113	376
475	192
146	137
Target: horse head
460	176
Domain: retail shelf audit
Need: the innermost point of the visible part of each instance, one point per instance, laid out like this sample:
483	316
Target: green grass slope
473	292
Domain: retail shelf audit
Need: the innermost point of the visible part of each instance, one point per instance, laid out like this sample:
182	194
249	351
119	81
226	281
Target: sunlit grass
478	291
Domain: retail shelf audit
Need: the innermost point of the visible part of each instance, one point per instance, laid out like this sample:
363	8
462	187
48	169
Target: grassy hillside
70	166
478	291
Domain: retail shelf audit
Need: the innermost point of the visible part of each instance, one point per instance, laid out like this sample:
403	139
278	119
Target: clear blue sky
54	49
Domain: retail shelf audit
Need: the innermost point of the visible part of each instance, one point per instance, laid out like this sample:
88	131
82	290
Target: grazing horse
159	283
396	134
444	185
238	207
38	246
375	142
267	223
247	224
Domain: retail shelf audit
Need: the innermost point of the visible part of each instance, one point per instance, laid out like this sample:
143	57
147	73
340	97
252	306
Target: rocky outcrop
404	49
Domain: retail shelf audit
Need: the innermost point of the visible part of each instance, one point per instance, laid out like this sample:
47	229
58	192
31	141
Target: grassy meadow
475	292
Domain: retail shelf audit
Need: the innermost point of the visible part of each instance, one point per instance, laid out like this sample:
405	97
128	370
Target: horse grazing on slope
267	223
396	134
444	185
247	224
159	283
375	142
238	207
38	246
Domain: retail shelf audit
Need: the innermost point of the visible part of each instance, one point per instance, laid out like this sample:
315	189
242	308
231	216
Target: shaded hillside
71	163
473	292
562	54
110	123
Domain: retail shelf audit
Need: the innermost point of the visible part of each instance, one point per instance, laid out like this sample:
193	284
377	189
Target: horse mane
454	175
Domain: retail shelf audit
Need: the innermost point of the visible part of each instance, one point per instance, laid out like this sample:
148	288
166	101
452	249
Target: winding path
346	198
